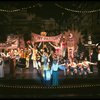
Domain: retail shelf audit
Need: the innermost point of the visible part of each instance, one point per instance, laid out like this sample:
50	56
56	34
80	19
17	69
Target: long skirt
55	78
47	77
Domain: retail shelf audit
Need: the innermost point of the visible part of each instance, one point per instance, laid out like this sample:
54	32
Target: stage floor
27	83
31	73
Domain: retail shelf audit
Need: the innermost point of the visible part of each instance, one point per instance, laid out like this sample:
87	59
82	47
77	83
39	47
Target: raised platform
22	88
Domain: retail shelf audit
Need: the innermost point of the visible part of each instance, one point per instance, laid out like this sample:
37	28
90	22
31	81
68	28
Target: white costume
1	68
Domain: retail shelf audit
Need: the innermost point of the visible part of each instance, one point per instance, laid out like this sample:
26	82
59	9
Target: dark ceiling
70	4
48	8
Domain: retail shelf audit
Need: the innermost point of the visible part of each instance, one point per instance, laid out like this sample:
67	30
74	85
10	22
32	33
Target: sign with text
39	38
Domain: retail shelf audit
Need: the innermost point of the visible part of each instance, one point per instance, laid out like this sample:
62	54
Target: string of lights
76	11
51	87
57	5
18	10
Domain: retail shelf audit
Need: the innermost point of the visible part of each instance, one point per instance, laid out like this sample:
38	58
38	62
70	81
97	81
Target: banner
39	38
11	43
70	46
3	45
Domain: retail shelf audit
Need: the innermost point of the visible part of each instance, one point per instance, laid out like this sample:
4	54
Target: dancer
34	53
1	67
45	65
73	67
54	72
86	66
57	48
62	64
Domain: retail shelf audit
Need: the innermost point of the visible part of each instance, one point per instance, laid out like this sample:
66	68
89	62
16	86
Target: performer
16	53
79	68
92	59
57	48
34	53
1	67
28	53
54	72
63	47
45	65
98	63
38	58
86	66
62	65
22	61
73	67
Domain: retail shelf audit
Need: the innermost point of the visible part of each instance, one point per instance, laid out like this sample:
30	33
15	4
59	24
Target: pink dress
58	50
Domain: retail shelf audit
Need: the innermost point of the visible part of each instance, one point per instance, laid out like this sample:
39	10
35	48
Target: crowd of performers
49	59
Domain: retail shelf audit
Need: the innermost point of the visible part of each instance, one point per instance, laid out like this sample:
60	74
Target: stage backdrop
72	37
13	42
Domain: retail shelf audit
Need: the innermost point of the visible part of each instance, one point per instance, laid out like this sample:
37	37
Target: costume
1	68
54	71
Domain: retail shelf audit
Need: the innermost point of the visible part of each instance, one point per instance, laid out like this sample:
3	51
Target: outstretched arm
39	53
39	44
52	45
92	63
30	47
49	55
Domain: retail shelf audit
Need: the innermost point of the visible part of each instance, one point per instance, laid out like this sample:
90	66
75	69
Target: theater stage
27	83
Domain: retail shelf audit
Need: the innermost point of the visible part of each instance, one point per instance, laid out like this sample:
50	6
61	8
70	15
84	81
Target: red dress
58	50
